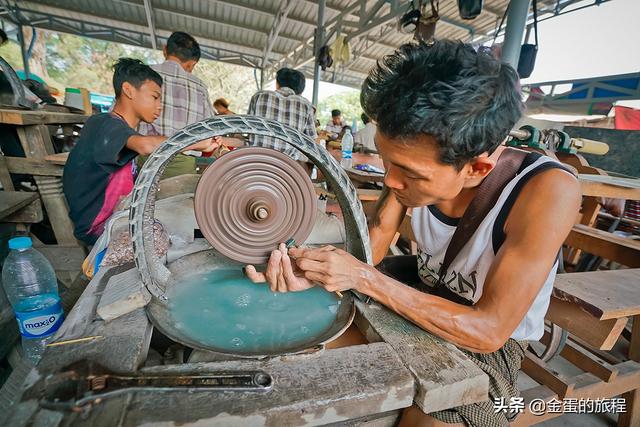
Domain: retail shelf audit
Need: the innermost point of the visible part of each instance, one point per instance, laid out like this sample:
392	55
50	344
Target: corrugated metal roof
237	31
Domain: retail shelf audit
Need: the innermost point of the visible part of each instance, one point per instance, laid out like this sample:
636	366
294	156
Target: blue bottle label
40	323
346	154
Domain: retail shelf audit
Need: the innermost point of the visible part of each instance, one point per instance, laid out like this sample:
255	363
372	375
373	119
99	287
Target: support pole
318	42
23	50
516	22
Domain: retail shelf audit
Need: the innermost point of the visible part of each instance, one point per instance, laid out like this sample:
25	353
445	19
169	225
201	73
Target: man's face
415	173
147	101
337	120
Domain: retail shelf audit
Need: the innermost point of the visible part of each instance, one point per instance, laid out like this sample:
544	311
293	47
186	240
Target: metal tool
81	385
555	140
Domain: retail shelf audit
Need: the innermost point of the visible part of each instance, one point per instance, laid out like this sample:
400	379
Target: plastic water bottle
347	150
31	287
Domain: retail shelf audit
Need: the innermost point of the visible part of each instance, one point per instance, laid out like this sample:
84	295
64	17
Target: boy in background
100	170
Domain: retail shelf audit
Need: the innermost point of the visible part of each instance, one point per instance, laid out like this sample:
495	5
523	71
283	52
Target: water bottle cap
20	243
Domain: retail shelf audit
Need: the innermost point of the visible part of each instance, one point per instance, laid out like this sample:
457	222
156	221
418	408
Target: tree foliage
347	102
64	60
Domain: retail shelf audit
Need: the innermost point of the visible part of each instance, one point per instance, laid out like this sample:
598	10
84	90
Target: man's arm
144	145
388	216
514	280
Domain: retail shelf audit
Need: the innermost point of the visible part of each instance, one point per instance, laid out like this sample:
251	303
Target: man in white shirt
365	138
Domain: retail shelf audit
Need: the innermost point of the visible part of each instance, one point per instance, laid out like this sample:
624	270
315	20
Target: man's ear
189	65
164	52
479	167
128	90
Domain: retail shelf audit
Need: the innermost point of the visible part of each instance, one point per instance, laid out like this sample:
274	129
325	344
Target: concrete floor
564	368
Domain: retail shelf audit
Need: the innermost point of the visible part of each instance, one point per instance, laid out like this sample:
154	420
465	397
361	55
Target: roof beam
278	22
306	44
97	21
152	27
210	19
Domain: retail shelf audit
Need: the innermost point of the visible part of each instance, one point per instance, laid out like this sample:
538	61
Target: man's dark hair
466	100
134	72
293	79
365	119
183	46
335	113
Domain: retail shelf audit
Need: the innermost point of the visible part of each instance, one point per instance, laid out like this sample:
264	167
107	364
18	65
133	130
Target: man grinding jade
442	112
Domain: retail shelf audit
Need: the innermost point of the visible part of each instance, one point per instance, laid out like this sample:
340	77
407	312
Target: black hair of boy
134	72
466	99
365	119
336	113
293	79
183	46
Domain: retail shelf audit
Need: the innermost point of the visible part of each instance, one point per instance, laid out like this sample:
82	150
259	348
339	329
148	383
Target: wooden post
36	143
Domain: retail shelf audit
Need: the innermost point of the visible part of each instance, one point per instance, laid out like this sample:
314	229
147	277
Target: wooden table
358	176
33	133
594	307
399	365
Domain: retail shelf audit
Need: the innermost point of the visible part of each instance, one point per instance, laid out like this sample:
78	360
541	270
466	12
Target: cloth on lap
502	367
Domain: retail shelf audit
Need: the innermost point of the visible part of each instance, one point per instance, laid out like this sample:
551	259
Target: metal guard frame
154	274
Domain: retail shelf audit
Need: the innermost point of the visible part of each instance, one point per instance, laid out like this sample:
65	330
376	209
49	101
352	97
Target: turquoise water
225	310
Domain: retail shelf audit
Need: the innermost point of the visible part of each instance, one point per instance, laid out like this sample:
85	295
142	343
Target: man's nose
392	178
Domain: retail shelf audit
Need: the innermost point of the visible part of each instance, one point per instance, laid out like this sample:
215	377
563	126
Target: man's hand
281	274
206	145
334	269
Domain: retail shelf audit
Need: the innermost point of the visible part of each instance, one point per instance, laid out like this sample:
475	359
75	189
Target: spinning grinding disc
252	199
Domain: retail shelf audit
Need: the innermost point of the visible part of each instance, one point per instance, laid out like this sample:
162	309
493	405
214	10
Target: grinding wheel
250	200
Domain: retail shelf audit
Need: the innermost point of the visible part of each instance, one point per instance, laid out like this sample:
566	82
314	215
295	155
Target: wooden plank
317	389
125	340
63	257
13	201
57	159
601	334
587	386
124	293
598	189
30	214
5	177
35	167
541	373
606	245
604	294
445	377
631	417
24	117
36	143
11	390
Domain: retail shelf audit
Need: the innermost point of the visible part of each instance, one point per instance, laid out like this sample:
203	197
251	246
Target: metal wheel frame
154	274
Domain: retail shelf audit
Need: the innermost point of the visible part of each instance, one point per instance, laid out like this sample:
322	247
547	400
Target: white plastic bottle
347	150
31	287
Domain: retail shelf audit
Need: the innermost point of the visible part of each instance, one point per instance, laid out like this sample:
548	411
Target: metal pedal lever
94	389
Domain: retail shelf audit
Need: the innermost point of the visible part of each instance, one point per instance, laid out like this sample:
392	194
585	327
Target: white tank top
466	274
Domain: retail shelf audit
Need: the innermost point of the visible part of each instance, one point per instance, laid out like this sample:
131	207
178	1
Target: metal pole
317	44
516	21
23	50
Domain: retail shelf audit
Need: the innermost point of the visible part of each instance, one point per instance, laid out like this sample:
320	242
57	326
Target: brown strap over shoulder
489	191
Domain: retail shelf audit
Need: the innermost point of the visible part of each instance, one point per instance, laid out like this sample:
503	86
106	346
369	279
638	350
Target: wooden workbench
33	133
371	382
